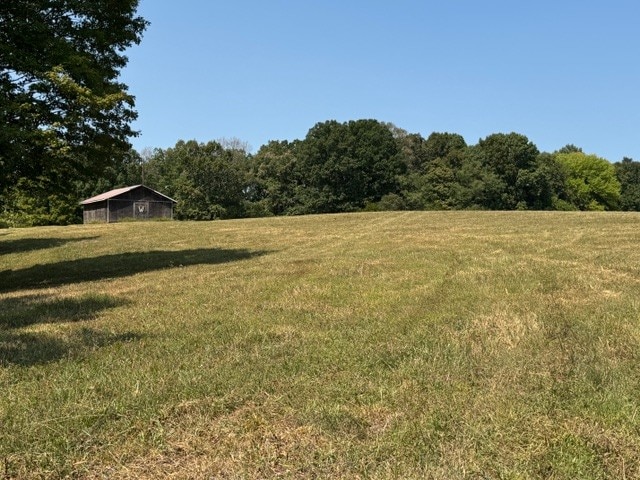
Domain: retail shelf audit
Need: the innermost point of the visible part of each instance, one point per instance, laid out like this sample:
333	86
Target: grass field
384	345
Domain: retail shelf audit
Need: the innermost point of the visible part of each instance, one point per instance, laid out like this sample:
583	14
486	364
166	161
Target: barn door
141	210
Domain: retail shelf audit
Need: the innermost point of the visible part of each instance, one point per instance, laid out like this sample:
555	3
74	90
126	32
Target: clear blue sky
557	71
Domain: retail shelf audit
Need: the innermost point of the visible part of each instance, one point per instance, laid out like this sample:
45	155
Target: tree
628	173
569	148
64	114
506	156
591	181
410	148
205	179
441	182
275	180
443	145
542	187
345	166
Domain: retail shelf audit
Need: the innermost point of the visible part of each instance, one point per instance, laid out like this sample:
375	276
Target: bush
392	201
389	202
256	210
563	205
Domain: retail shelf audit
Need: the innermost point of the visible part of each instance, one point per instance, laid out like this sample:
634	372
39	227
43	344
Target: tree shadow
33	348
32	309
27	349
21	245
115	266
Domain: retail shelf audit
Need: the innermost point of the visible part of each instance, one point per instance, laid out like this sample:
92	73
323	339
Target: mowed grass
385	345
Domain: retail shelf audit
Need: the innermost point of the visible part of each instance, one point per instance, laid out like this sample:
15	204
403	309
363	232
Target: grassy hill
383	345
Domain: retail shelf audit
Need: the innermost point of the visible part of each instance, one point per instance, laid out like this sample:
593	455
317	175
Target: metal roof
119	191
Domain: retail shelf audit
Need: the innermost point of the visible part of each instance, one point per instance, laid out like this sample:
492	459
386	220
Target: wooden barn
129	203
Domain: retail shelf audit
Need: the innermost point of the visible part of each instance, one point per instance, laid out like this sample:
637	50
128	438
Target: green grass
384	345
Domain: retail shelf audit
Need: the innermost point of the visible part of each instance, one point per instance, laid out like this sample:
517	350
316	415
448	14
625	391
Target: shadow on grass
32	309
29	348
114	266
28	244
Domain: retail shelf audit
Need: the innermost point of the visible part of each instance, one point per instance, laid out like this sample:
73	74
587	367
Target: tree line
65	129
360	165
369	165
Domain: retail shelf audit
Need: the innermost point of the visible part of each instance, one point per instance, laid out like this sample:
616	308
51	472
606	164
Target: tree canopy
205	177
346	165
369	165
628	173
66	117
591	181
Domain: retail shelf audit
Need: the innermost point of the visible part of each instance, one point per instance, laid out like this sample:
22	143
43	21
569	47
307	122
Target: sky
558	71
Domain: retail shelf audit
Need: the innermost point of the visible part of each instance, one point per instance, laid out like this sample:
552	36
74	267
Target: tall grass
383	345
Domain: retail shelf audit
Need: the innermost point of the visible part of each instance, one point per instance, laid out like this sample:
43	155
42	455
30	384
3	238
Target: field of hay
375	345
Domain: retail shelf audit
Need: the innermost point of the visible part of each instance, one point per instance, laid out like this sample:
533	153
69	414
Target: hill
372	345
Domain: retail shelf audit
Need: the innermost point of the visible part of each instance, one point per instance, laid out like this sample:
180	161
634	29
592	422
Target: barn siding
95	212
160	210
120	209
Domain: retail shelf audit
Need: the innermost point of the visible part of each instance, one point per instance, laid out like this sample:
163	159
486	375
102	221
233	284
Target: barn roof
119	191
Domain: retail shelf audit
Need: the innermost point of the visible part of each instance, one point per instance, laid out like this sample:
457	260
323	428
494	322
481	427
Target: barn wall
95	212
123	210
120	210
160	210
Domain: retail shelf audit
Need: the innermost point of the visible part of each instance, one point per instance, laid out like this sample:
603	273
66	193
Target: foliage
508	157
443	145
436	182
204	178
36	202
628	174
342	166
591	181
274	177
410	148
543	186
569	148
367	165
446	183
65	115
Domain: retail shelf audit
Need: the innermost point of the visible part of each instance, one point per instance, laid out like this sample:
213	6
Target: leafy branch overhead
65	115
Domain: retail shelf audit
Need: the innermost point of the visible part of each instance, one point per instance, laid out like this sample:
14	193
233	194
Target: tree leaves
66	117
591	181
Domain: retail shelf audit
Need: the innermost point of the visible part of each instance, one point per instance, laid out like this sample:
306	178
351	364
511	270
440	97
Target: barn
129	203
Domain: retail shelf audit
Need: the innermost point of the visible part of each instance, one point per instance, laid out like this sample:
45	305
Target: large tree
443	145
275	180
591	181
345	166
507	157
64	114
440	180
628	172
